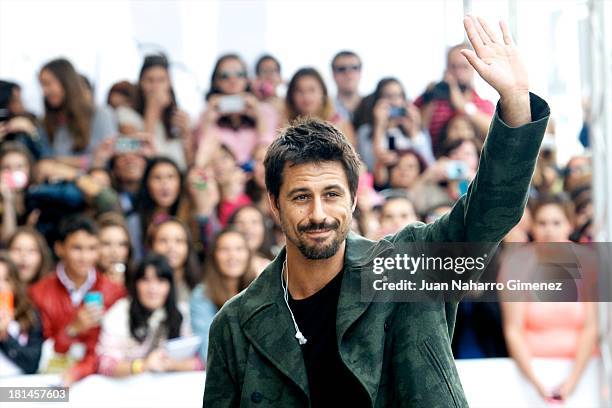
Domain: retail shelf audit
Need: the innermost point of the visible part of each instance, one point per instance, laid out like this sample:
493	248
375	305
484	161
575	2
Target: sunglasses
225	75
340	69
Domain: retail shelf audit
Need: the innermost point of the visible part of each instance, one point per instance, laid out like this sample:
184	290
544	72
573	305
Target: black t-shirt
329	380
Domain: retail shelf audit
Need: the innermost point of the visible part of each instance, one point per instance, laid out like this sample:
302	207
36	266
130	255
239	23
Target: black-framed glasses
341	69
224	75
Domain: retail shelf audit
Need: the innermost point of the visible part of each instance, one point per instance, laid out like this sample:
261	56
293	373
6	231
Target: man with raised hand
301	334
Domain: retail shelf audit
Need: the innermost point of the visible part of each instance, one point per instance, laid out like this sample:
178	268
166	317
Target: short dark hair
264	58
344	53
310	140
75	223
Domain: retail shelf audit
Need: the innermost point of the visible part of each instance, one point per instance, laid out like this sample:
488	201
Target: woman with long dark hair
156	112
135	328
160	197
228	272
307	96
72	126
234	117
20	329
393	124
172	239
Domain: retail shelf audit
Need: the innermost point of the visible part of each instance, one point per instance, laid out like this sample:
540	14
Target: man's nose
317	214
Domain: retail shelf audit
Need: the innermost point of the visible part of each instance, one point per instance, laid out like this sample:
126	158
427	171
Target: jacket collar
267	323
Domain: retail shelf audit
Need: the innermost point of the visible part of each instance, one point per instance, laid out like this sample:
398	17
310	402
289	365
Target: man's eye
300	197
333	194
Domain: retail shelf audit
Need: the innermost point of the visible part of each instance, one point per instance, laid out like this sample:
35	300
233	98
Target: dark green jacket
399	352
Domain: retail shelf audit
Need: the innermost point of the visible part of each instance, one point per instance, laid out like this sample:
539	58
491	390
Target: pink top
553	328
242	141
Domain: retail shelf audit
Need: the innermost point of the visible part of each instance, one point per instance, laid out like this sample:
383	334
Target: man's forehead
325	172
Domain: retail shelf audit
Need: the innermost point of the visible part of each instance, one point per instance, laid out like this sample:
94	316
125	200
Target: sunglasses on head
228	74
340	69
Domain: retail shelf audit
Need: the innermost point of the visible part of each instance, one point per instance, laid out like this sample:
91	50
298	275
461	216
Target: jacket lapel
267	324
365	361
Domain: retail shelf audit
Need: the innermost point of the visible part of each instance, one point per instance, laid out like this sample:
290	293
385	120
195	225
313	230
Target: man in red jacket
60	296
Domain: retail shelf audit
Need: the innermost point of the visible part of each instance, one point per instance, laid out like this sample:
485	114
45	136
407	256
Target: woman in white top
135	329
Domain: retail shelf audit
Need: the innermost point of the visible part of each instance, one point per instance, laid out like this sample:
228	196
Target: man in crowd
73	298
455	95
346	67
308	337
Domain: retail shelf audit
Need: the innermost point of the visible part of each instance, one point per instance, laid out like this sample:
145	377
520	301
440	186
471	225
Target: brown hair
310	141
192	273
23	311
326	111
46	261
75	109
559	200
216	290
114	219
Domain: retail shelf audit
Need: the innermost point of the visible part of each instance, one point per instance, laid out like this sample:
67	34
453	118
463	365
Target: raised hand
498	62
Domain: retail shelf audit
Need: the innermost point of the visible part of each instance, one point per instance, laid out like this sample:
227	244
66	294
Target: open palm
496	61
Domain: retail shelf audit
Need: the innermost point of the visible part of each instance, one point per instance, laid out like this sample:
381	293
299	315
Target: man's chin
321	251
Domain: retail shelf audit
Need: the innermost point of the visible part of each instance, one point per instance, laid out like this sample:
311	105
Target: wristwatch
469	108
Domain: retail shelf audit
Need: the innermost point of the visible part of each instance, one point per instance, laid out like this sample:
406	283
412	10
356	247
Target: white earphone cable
298	334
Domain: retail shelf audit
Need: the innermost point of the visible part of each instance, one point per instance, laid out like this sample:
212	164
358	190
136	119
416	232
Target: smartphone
231	104
7	302
94	298
397	112
126	144
456	170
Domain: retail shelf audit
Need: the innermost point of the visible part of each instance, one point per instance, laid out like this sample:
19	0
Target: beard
318	251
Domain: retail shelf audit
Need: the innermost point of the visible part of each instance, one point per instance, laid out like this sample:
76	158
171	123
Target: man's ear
354	203
275	210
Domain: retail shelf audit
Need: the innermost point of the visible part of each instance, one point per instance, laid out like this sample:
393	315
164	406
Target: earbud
300	338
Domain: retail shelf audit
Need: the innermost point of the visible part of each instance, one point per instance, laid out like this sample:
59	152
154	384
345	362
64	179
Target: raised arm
498	193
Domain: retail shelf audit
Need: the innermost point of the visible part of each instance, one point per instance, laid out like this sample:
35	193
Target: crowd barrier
487	383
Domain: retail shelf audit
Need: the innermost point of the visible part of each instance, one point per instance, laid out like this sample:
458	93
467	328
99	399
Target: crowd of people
130	224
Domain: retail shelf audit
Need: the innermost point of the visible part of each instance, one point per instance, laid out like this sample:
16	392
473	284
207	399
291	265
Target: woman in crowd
73	126
395	124
307	95
251	222
122	93
227	274
30	253
156	113
21	335
115	249
549	329
404	173
15	175
135	328
234	117
458	127
448	178
172	239
160	197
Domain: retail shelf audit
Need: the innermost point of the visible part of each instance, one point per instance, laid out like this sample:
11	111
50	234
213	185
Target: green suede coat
399	352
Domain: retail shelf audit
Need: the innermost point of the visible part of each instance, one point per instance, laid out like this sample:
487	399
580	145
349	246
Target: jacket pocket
429	351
